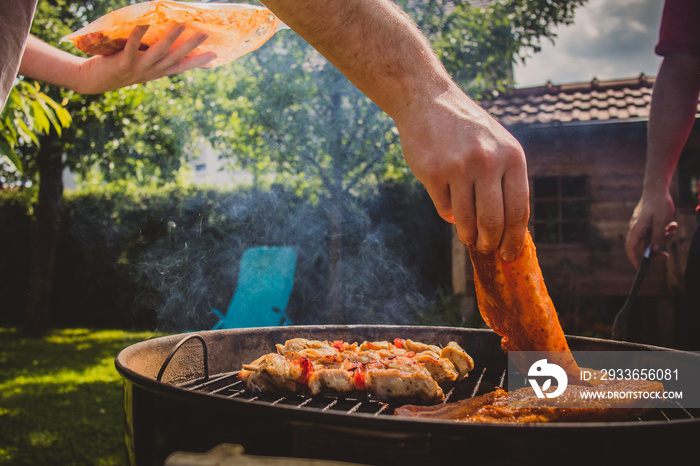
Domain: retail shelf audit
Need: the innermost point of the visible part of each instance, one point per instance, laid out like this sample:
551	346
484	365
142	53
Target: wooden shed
585	145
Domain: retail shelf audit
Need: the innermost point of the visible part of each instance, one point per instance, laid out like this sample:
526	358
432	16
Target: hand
474	170
131	66
650	224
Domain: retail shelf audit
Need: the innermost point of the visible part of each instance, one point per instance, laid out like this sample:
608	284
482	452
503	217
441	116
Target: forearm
46	63
673	109
472	168
374	44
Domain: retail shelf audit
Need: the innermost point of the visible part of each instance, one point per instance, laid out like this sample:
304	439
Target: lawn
61	397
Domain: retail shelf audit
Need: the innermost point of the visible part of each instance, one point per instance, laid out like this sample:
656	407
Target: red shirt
680	27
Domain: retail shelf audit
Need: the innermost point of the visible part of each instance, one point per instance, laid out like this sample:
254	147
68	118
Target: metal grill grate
227	385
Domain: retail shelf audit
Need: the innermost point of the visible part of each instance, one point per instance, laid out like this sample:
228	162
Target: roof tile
580	102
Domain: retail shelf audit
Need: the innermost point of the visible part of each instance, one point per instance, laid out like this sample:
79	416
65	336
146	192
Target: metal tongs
621	322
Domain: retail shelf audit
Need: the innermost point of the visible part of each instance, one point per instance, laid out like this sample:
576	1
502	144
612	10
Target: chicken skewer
401	370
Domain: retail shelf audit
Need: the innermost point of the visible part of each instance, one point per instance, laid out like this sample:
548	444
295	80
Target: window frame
560	200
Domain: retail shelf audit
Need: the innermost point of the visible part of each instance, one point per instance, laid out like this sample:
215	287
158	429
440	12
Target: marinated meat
232	29
513	300
523	406
386	370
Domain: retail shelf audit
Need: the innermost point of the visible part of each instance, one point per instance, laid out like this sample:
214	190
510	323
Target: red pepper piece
306	369
398	342
359	379
339	345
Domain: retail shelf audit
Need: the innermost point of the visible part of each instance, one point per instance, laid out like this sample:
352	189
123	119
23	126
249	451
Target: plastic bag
233	29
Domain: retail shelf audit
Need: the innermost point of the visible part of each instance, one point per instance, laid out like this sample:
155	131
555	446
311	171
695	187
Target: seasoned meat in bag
233	29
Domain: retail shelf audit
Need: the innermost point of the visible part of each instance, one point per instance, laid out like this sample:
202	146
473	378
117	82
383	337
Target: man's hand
650	225
473	169
100	74
674	104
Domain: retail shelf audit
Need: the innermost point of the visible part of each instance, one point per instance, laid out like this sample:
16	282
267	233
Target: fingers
464	212
178	52
165	57
133	43
502	204
633	244
158	50
516	193
490	216
486	216
671	230
491	213
188	63
644	231
441	197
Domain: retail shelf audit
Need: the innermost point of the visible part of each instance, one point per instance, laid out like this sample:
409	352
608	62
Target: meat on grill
513	300
523	406
402	370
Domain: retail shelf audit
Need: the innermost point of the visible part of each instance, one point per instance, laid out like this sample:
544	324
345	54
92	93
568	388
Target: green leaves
282	112
28	114
478	45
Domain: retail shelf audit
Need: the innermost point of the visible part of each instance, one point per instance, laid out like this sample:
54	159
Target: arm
105	73
673	109
473	169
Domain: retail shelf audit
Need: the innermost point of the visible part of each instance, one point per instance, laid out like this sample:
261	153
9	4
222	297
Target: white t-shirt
15	22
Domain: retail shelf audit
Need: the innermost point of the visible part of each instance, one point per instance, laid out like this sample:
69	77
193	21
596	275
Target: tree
310	126
140	132
27	114
283	113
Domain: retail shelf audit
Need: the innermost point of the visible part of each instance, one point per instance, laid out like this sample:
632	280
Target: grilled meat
403	370
523	406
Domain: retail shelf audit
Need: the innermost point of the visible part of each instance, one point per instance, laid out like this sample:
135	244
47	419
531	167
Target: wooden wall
612	155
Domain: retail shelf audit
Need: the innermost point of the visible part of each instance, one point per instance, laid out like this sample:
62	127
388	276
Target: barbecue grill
182	394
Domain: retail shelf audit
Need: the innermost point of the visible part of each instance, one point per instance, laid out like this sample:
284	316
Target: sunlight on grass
43	439
61	397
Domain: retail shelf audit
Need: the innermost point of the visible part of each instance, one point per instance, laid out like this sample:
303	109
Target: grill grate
227	385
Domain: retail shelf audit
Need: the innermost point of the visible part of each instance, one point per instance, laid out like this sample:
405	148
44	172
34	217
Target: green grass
61	397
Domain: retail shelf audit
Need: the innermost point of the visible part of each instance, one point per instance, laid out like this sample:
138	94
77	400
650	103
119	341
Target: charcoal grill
182	394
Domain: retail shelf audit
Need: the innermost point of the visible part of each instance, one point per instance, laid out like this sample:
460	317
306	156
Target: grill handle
177	347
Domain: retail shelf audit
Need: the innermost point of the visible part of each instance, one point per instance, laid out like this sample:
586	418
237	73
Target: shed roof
592	102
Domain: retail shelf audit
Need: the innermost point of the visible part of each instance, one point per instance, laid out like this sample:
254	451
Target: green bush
15	232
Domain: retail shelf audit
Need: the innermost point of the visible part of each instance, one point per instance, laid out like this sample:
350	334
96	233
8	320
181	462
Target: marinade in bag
233	29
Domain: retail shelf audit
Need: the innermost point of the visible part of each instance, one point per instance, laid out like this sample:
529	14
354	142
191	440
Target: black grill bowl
186	405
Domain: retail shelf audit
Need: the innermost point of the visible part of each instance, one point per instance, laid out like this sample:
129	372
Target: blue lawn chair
265	281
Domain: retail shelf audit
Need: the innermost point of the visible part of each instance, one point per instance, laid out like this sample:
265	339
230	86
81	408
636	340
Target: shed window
561	209
688	177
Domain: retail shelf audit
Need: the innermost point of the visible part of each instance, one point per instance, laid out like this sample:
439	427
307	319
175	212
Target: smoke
193	266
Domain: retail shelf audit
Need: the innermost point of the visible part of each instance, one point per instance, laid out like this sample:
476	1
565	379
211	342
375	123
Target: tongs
621	322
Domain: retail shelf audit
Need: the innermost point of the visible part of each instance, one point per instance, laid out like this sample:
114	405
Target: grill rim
358	419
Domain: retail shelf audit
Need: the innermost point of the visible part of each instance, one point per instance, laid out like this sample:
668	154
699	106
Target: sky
609	39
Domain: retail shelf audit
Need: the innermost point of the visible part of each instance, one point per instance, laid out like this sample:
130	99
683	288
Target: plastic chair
265	281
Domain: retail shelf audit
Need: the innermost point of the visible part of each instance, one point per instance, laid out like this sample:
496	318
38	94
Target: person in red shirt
674	106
